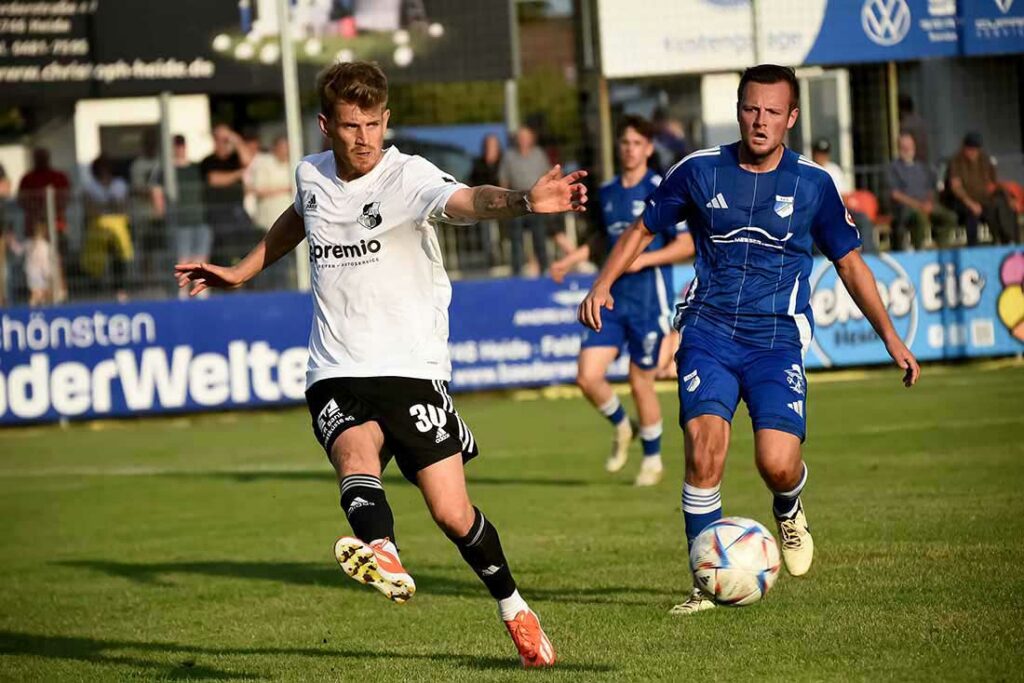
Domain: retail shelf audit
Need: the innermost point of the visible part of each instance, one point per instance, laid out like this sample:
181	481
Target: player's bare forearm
860	283
286	233
632	243
497	202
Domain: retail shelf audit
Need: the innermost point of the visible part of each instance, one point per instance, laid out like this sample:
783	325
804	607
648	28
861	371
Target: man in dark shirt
186	217
977	195
912	189
224	188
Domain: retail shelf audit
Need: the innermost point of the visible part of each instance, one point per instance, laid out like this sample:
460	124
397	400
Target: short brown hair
769	74
360	83
637	123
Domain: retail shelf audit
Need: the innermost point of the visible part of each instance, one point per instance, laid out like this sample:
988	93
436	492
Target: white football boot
697	602
651	472
796	541
625	431
375	565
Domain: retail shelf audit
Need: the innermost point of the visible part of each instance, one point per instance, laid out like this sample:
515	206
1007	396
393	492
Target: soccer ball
734	561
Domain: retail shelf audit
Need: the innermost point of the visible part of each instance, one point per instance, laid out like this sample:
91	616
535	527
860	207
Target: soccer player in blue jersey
642	295
754	208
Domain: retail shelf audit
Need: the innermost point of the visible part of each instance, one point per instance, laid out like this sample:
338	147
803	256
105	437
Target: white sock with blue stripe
701	507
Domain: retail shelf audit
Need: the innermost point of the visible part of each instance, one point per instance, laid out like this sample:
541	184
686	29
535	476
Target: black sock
366	507
481	549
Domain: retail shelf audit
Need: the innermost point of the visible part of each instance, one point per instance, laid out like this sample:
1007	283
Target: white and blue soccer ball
735	561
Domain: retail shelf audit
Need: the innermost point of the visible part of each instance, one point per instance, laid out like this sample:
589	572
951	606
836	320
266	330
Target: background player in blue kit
642	303
754	208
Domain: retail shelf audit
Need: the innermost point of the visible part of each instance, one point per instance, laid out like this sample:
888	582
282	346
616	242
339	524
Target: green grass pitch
200	548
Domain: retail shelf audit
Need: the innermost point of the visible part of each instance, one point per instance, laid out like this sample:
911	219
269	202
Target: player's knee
780	474
588	381
454	520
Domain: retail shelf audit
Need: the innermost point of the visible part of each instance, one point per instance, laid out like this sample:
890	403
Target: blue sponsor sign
959	303
992	26
108	360
886	30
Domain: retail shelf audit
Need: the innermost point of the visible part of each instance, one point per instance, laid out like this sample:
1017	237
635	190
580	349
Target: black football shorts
417	416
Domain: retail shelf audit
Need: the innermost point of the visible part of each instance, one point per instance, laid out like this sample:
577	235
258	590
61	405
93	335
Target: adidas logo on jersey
441	435
797	407
718	202
311	203
358	503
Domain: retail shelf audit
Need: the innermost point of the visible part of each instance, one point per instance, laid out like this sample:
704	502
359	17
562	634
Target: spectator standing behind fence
521	166
485	172
186	218
976	194
669	141
912	190
108	241
224	190
821	154
269	180
32	199
142	177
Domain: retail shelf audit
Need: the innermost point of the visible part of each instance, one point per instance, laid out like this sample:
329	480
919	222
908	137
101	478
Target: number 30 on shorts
428	417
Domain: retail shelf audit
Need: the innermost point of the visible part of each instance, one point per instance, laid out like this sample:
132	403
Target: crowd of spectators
129	224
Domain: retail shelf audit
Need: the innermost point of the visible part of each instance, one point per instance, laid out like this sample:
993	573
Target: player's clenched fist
589	312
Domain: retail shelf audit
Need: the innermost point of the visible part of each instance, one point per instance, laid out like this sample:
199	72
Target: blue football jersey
753	233
649	292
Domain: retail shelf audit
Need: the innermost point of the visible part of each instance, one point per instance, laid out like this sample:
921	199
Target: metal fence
61	246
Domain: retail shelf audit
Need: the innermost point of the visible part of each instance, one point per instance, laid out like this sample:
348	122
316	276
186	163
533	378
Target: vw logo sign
885	22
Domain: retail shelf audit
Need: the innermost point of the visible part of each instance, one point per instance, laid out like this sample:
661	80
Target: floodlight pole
754	31
293	122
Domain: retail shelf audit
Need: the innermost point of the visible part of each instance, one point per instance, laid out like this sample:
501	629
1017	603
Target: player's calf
481	548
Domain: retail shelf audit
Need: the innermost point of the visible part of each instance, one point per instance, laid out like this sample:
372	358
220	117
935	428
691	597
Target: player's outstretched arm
286	233
860	283
552	193
636	238
678	250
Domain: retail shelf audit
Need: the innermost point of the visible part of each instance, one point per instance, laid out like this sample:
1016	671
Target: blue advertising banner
992	26
107	360
886	30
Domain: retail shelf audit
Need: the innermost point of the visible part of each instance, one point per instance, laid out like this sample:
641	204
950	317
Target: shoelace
524	638
790	533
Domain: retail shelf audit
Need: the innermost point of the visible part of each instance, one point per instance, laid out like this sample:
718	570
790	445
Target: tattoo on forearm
497	202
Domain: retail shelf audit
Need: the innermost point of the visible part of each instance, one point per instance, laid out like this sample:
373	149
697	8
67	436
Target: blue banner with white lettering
992	26
249	350
886	30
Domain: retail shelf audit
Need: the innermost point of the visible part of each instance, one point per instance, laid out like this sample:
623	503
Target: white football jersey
380	291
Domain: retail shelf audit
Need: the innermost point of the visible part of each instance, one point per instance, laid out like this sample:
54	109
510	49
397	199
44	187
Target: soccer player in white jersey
377	382
754	209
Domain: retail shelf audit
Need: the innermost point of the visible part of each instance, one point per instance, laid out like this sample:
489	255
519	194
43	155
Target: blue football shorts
641	335
715	372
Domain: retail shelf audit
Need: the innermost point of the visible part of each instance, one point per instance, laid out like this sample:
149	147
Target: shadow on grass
433	582
103	651
326	475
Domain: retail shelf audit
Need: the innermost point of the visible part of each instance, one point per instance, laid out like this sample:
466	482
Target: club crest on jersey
795	379
784	206
370	217
638	207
